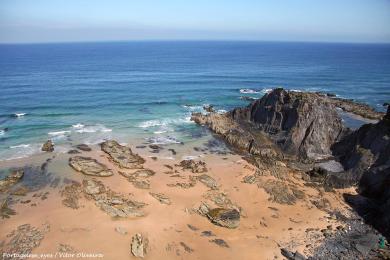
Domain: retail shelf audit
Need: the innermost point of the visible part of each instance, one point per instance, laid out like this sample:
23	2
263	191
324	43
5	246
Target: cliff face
302	124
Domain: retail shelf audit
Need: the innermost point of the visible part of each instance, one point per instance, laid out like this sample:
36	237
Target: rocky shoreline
281	190
304	131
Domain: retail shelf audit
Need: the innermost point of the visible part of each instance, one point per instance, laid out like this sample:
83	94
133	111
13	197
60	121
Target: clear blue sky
107	20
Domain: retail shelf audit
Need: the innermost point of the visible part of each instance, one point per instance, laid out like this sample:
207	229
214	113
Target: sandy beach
177	230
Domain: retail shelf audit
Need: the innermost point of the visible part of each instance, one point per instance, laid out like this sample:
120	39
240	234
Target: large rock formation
304	125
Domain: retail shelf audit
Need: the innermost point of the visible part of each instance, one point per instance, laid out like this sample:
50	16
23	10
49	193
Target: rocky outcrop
302	125
89	166
122	155
48	146
194	166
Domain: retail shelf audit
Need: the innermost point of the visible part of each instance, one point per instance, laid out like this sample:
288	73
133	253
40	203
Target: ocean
145	92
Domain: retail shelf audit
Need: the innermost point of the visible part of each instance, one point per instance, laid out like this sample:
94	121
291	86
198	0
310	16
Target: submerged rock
229	218
122	155
48	146
139	245
84	147
89	166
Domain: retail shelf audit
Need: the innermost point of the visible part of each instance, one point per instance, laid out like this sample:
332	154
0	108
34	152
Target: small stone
121	230
48	146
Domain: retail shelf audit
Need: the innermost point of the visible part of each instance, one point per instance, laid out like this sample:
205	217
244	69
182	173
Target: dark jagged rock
302	124
366	148
122	155
48	146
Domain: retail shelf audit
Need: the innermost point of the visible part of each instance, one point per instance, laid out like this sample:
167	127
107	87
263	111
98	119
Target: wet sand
265	226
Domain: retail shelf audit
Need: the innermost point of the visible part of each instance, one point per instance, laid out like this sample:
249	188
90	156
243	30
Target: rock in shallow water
11	179
122	155
48	146
89	166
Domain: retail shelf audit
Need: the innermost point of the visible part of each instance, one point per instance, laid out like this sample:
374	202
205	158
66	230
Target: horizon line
195	40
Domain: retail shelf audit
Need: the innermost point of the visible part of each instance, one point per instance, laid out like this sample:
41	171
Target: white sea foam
93	129
159	132
165	122
59	133
2	132
248	91
78	126
163	140
191	157
20	114
221	111
266	90
20	146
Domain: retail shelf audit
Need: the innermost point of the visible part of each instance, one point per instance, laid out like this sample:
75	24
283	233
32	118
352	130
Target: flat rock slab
89	166
122	155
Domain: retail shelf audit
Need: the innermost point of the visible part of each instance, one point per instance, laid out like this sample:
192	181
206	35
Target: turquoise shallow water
146	91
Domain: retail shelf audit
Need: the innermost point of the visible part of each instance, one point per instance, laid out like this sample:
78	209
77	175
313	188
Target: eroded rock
194	166
11	179
89	166
122	155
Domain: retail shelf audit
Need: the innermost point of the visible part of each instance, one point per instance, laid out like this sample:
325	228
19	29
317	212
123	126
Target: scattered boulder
139	245
229	218
122	155
48	146
89	166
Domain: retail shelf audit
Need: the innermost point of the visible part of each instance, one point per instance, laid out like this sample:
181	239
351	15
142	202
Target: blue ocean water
85	92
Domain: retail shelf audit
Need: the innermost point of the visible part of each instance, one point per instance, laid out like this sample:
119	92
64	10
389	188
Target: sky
25	21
